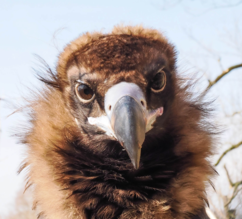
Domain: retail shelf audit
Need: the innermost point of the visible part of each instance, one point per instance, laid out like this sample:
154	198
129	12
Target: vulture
116	132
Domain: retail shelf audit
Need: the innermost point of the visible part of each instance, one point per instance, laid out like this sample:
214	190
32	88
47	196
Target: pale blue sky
43	27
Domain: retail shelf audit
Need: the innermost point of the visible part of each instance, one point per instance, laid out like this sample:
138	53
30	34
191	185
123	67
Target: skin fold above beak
127	118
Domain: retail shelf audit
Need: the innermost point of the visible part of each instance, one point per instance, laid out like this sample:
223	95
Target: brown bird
116	133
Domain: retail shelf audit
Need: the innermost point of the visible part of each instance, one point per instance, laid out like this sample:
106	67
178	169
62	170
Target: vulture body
115	133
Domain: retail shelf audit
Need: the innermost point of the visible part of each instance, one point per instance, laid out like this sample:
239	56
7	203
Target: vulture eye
84	93
158	82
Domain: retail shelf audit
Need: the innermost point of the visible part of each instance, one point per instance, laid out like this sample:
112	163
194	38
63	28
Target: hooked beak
129	125
127	118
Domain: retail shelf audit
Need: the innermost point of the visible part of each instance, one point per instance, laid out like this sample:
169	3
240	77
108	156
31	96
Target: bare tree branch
213	6
234	114
227	173
225	72
234	185
228	150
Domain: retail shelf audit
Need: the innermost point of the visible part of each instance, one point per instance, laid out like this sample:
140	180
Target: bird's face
120	89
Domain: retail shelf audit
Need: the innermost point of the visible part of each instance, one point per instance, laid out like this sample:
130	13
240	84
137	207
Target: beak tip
136	165
136	161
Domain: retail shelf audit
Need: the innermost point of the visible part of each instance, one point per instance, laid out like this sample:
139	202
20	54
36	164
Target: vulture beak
128	123
127	118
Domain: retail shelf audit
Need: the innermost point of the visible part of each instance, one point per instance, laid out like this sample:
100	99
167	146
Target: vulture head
116	133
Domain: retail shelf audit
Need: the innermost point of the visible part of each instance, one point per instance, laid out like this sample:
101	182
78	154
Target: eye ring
159	82
84	92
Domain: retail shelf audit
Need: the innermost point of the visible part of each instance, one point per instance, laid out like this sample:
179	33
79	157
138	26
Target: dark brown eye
158	82
84	92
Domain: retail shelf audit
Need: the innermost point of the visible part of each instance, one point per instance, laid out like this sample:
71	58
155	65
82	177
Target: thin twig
234	114
228	150
234	185
225	72
227	173
235	192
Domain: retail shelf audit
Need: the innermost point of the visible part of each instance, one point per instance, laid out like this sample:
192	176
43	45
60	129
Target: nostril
142	103
110	107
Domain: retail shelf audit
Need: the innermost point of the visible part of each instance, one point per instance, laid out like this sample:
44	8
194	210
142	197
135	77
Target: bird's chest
155	209
124	204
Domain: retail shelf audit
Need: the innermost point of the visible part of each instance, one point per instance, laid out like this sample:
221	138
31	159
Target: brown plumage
79	171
